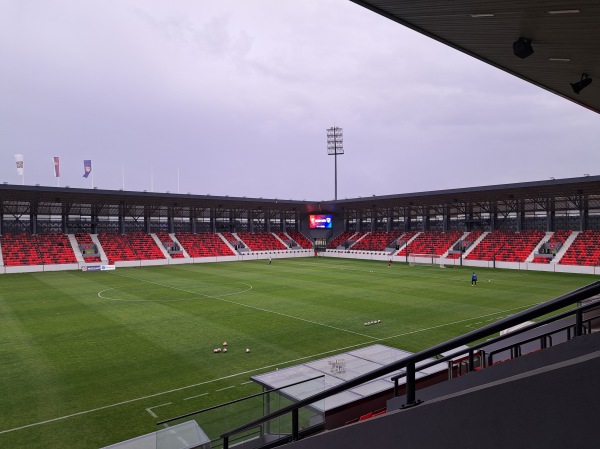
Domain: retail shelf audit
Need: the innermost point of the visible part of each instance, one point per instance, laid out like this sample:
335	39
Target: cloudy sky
233	97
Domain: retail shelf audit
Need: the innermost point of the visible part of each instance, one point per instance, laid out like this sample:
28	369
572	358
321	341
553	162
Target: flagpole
123	175
177	180
152	178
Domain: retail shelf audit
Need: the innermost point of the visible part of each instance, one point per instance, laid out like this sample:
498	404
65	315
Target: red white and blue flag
87	167
56	161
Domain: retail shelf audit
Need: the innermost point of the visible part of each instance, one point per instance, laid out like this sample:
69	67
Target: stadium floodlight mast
335	146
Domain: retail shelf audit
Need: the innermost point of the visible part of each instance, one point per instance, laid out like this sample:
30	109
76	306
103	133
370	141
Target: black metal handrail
409	362
521	330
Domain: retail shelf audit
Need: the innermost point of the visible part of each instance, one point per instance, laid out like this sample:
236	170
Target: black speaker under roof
522	48
581	84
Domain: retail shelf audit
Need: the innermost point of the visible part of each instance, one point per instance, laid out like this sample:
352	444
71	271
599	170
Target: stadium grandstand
542	225
382	397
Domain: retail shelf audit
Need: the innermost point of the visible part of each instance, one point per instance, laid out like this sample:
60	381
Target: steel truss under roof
574	197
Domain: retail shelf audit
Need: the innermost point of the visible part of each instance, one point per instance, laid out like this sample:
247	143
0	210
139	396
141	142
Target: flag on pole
87	167
20	164
56	160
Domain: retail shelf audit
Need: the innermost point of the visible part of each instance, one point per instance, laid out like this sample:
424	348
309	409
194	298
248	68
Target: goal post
424	259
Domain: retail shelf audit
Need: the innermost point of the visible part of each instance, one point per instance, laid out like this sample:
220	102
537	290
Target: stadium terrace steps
174	238
300	239
160	246
341	239
377	240
163	238
567	242
283	238
226	242
75	247
96	241
545	239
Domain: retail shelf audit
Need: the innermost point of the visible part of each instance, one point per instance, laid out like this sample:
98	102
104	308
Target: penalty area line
154	415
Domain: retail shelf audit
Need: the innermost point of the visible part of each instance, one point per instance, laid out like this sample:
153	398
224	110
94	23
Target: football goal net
425	259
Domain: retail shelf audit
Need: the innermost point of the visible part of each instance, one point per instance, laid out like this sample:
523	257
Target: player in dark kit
473	280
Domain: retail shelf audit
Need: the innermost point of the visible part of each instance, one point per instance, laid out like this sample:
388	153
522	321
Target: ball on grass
247	349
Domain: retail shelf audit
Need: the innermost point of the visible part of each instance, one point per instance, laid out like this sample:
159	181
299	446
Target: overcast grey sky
236	96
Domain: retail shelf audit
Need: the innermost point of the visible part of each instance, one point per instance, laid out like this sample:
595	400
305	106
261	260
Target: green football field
91	359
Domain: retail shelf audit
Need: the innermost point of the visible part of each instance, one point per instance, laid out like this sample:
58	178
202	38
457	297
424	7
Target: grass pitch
91	359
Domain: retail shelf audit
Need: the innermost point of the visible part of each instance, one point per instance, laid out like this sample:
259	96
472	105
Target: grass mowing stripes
84	355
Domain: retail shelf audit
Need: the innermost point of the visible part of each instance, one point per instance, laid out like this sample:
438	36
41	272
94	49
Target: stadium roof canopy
560	189
568	191
564	34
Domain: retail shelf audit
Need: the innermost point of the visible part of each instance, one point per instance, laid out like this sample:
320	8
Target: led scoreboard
320	222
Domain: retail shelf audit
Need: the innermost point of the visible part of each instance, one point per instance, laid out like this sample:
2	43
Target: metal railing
409	363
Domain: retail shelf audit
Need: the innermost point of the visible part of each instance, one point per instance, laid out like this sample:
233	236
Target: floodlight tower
335	146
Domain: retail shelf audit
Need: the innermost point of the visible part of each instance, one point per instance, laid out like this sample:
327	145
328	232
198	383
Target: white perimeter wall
343	254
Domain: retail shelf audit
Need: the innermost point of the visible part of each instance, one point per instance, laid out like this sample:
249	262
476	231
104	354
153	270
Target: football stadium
462	317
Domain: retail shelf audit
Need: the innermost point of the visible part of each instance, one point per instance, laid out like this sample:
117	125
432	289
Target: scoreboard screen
320	221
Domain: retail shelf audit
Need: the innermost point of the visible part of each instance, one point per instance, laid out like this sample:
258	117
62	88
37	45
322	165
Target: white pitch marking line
246	383
220	298
197	396
154	415
174	390
226	388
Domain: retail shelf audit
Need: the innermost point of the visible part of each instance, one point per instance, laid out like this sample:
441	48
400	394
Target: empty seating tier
377	240
164	237
340	239
301	239
585	250
261	241
507	246
204	244
40	249
432	242
126	247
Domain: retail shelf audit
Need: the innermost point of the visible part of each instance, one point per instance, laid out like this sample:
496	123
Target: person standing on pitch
269	260
473	280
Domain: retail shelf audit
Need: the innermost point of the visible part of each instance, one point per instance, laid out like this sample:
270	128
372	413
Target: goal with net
425	259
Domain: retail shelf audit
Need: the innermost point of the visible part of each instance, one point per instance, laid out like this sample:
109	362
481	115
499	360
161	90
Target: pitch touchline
220	298
174	390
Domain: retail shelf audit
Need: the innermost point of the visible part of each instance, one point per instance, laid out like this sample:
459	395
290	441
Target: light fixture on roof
479	16
584	82
522	47
560	59
564	11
